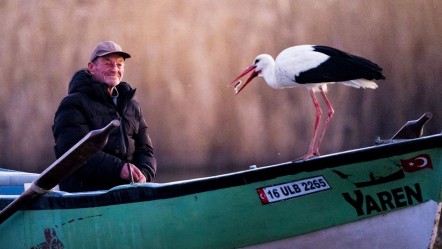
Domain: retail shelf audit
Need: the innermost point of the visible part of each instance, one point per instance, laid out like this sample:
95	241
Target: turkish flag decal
262	196
417	163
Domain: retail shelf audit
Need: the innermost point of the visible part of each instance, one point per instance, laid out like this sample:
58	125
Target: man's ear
90	66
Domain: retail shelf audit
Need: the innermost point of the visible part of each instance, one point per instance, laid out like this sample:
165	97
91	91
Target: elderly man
96	96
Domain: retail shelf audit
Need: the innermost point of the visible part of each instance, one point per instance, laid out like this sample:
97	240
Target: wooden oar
70	161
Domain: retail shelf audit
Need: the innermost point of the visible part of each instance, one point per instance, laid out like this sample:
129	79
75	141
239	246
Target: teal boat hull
258	206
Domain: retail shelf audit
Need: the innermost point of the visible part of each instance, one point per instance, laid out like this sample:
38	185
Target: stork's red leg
327	121
313	150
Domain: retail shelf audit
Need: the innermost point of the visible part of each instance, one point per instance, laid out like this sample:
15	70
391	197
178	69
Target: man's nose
114	67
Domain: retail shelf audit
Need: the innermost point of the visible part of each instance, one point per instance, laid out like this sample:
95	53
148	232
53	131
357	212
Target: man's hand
136	173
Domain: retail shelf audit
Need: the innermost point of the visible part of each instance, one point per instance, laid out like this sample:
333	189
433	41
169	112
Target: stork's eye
256	61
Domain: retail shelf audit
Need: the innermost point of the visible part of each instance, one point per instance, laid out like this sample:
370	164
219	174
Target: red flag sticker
262	196
416	163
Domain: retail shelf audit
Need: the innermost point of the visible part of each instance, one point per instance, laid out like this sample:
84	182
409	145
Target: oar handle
70	161
75	157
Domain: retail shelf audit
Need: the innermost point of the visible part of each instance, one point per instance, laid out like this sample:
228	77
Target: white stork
313	67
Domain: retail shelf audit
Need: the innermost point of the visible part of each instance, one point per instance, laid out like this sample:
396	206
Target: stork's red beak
238	85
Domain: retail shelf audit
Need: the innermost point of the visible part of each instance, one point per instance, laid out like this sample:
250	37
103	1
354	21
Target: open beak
238	84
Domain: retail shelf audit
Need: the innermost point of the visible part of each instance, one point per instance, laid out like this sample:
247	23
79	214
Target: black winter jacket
88	106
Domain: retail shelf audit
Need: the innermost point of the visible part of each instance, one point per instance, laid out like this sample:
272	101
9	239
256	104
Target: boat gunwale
155	191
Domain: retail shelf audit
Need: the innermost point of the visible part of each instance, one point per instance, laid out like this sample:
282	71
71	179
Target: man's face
108	69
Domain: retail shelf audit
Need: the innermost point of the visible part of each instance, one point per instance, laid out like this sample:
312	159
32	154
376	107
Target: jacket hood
81	82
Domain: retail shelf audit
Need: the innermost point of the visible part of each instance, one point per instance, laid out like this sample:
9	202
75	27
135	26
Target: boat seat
13	182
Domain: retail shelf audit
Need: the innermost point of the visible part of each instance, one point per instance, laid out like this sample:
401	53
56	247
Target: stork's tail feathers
361	83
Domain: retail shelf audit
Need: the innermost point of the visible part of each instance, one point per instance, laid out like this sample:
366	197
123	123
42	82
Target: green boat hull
240	209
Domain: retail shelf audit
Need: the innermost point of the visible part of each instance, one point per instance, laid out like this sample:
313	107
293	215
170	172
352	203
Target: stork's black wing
341	66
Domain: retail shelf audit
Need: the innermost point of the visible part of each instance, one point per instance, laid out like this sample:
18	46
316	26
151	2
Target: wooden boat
384	196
